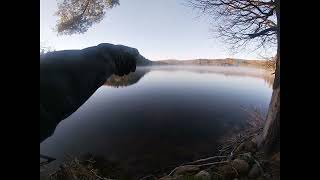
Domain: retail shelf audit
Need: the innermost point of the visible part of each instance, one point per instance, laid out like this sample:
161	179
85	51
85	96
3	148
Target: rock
187	170
250	146
227	171
255	172
242	178
179	177
166	178
241	166
203	175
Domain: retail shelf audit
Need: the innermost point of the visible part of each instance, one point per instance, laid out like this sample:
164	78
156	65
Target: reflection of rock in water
126	80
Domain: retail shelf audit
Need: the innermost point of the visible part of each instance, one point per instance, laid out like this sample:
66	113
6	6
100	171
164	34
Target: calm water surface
162	116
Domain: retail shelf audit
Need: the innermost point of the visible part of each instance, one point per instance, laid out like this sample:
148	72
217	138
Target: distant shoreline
268	65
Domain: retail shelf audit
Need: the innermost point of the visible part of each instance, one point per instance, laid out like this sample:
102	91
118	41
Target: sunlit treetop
77	16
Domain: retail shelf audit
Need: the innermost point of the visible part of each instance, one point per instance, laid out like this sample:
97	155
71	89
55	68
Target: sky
166	29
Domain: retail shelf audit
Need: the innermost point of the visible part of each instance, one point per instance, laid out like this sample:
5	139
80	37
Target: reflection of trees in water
269	80
132	78
264	74
126	80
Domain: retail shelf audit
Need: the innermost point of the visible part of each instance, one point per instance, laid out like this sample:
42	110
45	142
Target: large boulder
255	172
241	166
227	172
203	175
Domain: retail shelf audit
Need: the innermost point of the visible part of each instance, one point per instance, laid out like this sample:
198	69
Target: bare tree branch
242	22
263	32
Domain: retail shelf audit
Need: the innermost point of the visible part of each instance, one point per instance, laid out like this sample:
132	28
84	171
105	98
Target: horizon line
209	59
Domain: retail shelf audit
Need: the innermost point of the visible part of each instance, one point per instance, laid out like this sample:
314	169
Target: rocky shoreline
244	162
238	159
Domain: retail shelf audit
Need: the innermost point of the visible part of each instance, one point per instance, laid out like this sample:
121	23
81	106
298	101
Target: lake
162	116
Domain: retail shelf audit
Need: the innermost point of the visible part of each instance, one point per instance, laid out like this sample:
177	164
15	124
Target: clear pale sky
159	29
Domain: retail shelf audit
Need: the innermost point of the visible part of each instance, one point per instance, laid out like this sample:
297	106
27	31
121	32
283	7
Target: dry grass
74	169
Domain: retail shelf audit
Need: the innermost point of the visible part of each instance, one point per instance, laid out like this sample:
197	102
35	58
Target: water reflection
132	78
126	80
163	117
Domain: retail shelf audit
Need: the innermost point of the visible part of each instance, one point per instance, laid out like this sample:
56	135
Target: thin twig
148	177
217	173
92	171
210	164
173	170
235	170
205	159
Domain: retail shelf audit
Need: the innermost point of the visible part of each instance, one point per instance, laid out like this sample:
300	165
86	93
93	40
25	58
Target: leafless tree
240	22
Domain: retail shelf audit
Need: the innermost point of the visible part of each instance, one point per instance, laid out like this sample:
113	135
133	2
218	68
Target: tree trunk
271	130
